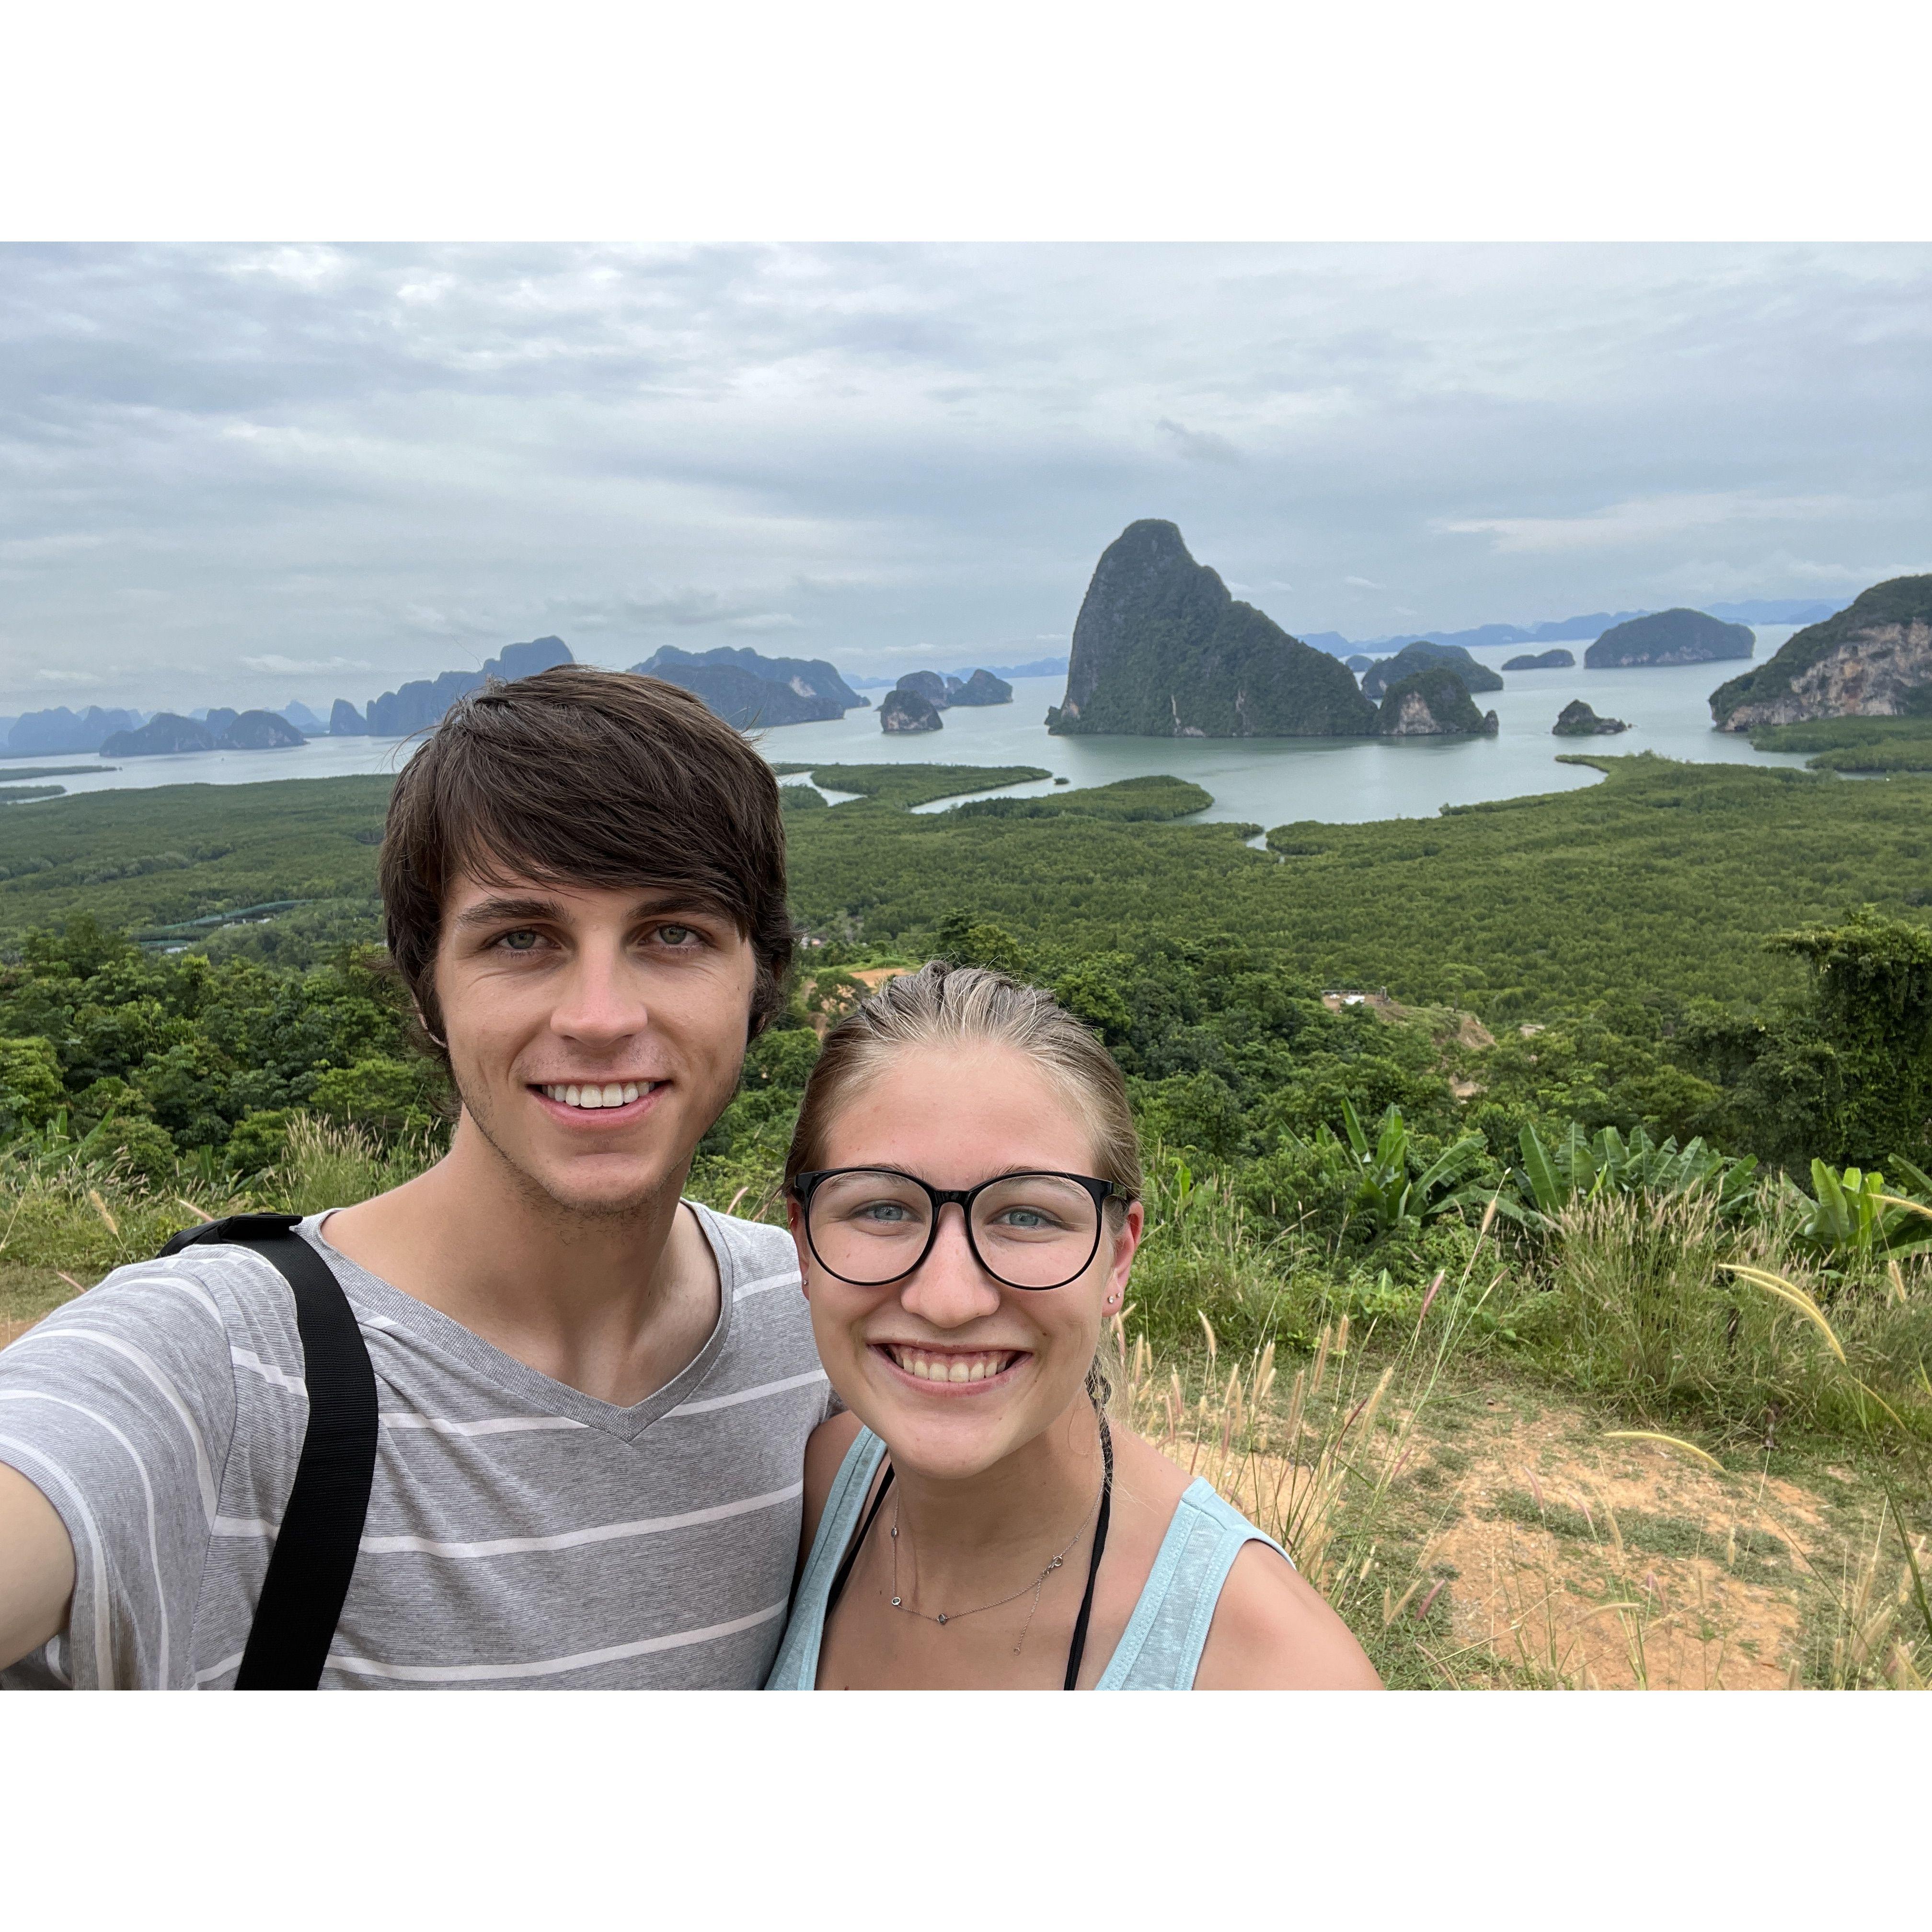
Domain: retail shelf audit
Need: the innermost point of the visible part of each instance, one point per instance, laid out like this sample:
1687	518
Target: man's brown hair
578	776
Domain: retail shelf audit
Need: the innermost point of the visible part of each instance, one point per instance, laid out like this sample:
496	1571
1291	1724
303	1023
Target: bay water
1268	781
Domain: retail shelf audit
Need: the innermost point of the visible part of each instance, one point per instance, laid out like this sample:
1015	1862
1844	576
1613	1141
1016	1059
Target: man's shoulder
211	1290
760	1257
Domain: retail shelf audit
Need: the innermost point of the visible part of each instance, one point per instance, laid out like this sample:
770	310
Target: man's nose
950	1289
602	997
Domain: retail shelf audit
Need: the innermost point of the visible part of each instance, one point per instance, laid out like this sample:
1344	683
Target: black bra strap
1076	1651
857	1543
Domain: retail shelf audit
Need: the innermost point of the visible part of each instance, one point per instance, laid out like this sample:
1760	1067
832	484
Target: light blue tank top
1160	1648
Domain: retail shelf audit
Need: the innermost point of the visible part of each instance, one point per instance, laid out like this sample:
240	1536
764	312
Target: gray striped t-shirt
520	1533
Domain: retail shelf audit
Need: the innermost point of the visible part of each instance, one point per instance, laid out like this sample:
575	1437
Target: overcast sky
242	475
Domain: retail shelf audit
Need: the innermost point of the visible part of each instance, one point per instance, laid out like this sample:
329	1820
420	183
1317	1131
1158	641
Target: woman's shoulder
1272	1629
826	1449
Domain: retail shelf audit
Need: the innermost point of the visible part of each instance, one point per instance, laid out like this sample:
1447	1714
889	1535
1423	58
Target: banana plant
1581	1167
1391	1196
1855	1215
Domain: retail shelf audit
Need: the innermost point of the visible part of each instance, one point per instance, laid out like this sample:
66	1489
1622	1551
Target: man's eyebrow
656	903
672	899
487	912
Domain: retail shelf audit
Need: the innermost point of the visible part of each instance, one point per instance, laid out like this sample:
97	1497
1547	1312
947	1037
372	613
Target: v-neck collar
433	1329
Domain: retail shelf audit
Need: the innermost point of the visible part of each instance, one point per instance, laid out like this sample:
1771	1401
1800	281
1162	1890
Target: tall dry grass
1636	1300
1313	1461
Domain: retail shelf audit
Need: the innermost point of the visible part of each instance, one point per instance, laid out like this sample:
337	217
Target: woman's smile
939	1370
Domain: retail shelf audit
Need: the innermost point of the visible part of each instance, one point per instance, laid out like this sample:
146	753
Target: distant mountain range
1568	630
417	705
749	690
166	733
395	714
43	734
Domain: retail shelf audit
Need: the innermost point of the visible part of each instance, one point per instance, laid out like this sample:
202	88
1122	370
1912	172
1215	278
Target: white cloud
408	457
1861	575
684	608
282	667
1646	521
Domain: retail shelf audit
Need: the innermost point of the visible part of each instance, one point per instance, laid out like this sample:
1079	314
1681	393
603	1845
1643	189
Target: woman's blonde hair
949	1006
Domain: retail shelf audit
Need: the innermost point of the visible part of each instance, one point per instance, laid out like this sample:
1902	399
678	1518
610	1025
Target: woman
965	1187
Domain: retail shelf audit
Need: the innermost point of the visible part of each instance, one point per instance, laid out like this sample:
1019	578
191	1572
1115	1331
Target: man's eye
522	941
677	936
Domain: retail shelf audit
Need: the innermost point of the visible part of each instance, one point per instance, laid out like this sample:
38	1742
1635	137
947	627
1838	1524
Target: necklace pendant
1054	1565
942	1616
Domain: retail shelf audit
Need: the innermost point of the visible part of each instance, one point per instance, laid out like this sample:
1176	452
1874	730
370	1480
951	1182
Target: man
593	1398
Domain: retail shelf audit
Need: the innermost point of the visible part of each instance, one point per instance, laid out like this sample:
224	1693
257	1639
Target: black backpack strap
315	1550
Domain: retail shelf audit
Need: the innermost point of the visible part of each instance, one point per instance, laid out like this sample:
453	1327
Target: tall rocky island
1872	660
908	708
1161	650
1432	703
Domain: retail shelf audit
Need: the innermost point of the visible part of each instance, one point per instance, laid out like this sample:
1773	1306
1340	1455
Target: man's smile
607	1103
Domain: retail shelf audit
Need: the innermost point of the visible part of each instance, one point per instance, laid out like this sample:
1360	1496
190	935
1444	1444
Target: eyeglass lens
1032	1230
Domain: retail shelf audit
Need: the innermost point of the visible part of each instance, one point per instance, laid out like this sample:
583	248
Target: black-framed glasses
871	1226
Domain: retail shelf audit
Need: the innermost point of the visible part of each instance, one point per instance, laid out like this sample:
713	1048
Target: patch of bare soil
1567	1557
870	977
1623	1564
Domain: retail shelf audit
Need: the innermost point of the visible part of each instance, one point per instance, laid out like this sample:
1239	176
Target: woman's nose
950	1289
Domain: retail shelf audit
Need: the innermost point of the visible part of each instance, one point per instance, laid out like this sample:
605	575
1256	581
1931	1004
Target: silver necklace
1036	1586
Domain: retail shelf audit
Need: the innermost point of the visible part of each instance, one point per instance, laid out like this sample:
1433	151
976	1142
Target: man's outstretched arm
36	1568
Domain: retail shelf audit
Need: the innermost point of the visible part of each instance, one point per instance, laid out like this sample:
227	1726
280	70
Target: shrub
143	1150
260	1139
386	1097
30	1084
